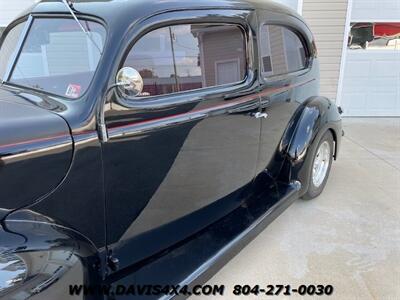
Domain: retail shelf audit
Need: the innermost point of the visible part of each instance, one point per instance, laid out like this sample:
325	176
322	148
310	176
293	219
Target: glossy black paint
196	259
38	240
32	140
315	116
184	180
177	181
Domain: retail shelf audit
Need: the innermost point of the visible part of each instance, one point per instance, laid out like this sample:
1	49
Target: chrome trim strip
35	144
36	152
154	124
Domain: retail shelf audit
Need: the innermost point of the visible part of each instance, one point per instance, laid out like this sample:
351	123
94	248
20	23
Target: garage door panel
384	85
385	67
357	85
371	83
375	9
358	69
381	101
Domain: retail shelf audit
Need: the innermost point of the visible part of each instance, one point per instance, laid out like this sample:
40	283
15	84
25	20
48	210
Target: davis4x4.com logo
146	290
207	290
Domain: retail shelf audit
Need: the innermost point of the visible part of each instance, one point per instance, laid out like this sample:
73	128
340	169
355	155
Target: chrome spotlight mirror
129	82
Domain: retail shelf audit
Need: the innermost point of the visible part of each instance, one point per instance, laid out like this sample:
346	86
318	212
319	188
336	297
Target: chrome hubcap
321	164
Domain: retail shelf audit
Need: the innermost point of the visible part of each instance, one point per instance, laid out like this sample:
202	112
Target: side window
282	51
8	46
189	57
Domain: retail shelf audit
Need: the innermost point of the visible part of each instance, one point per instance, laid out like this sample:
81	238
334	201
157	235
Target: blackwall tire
320	166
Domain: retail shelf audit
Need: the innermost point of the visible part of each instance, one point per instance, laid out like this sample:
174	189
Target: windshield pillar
16	51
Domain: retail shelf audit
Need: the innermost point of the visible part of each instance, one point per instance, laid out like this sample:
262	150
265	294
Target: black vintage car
146	142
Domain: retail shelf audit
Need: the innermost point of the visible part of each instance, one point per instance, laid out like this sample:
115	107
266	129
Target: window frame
2	30
309	57
139	101
29	19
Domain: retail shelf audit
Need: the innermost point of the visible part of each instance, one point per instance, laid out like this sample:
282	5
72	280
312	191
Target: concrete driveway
349	237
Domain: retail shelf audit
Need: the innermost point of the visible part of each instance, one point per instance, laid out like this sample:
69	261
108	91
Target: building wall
9	9
279	63
327	20
222	46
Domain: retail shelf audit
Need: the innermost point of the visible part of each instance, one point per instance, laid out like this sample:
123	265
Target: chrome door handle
260	115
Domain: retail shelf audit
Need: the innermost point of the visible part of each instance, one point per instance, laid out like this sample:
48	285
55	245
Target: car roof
132	10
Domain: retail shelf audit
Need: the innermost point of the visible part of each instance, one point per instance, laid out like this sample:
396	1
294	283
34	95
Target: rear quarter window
282	51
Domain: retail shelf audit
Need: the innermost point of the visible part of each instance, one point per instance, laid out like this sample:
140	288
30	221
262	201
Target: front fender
312	120
41	260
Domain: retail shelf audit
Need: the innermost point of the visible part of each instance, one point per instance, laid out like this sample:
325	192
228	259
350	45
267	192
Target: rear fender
312	120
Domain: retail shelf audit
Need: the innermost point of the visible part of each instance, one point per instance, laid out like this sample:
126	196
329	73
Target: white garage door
371	76
371	85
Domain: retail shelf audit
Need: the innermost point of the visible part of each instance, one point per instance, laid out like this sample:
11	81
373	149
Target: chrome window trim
148	101
277	77
18	48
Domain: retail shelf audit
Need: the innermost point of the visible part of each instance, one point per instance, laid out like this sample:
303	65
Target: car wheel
320	166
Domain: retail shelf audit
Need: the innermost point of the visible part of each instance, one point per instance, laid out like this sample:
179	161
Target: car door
183	153
286	81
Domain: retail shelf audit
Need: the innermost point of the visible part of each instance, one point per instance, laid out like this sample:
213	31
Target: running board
201	256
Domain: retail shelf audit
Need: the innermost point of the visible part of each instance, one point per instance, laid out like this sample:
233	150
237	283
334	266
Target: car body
99	187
